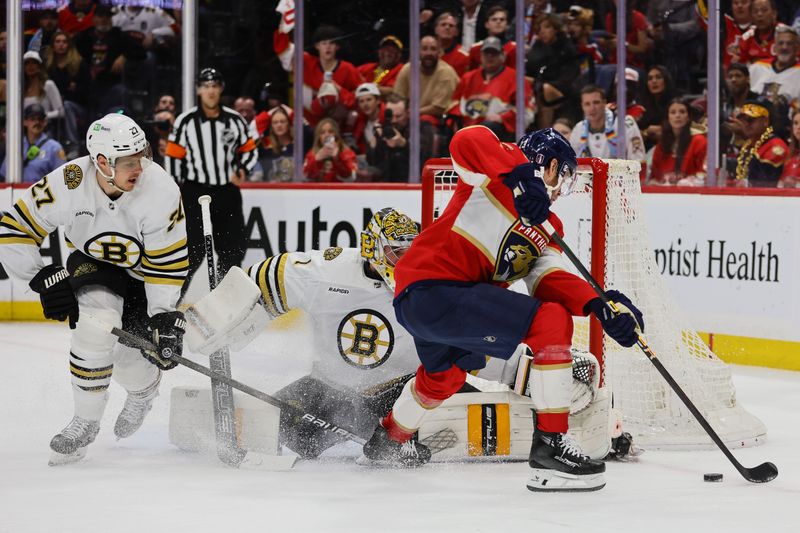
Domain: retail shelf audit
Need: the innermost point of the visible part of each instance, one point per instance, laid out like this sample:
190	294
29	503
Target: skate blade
544	480
263	461
58	459
365	461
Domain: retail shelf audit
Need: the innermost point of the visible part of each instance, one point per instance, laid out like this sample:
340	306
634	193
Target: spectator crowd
88	58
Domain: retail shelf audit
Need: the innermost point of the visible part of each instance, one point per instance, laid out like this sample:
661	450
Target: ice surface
143	484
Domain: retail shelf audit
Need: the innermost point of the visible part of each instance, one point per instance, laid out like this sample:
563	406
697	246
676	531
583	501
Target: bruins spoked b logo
365	339
116	248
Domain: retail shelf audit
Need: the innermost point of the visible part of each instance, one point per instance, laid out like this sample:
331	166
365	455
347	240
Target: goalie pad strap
551	388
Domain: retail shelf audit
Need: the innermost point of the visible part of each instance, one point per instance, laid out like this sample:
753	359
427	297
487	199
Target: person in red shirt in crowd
637	43
579	28
384	72
329	160
791	170
446	32
736	24
487	95
370	115
680	156
757	42
335	99
76	16
497	25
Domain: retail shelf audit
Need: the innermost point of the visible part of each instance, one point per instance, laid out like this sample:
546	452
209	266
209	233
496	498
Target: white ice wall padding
650	410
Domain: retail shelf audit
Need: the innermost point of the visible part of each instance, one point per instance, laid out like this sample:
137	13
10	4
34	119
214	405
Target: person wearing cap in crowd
487	95
446	31
552	62
370	113
778	79
210	151
437	82
579	28
40	154
329	83
497	21
737	82
39	89
763	155
634	109
384	72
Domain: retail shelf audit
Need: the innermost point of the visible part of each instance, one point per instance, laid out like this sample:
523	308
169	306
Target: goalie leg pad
591	427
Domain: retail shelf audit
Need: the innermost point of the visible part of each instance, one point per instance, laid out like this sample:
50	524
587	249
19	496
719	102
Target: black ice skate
559	465
70	445
383	451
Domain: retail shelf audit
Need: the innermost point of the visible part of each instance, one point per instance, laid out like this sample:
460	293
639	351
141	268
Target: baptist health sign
731	262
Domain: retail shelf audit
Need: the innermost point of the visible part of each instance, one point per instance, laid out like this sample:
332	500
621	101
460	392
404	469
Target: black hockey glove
55	292
530	194
623	327
167	330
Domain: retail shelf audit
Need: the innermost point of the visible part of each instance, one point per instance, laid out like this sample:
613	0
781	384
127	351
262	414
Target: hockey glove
167	330
55	292
530	194
625	326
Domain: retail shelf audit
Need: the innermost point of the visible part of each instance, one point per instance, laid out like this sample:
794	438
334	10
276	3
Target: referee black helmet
210	74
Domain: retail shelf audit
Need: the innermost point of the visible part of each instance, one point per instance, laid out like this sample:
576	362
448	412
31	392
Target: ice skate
380	450
70	445
136	407
559	465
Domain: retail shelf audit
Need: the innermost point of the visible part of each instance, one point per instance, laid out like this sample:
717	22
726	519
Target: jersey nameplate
365	339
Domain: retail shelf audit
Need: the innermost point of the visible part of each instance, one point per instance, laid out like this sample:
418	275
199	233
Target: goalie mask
385	239
118	138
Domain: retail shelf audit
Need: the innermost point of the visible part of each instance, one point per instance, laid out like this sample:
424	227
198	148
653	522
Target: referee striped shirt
209	150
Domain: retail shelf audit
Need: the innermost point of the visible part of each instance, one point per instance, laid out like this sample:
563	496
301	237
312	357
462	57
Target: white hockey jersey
143	231
357	340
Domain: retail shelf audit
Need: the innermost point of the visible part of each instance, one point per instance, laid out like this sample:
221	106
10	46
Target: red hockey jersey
479	237
475	98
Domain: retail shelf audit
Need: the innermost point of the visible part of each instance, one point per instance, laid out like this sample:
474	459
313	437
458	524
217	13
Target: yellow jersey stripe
160	252
495	202
22	209
183	264
279	276
266	289
13	239
11	223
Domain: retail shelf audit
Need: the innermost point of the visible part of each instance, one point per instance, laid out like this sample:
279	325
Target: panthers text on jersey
143	231
479	236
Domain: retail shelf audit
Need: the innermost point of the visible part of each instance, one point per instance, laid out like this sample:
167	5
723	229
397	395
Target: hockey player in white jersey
123	219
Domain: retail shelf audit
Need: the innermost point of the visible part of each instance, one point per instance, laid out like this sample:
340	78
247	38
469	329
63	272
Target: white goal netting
650	410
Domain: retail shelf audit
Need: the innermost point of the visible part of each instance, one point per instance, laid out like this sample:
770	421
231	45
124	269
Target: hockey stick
441	440
224	411
760	474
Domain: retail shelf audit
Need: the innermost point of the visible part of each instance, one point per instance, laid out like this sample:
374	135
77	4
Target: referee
210	152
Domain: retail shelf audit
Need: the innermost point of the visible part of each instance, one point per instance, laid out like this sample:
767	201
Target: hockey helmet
541	147
116	136
385	239
209	74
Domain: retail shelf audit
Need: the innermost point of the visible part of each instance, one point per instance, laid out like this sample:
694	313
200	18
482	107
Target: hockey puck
714	477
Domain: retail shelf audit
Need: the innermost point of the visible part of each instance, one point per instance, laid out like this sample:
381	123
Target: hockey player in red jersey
451	295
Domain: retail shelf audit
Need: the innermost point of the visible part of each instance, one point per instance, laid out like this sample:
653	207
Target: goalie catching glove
167	332
530	193
56	294
625	325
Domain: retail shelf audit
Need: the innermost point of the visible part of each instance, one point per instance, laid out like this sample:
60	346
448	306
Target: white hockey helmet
385	239
115	136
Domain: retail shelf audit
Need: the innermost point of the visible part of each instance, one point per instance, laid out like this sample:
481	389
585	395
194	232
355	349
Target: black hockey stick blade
762	473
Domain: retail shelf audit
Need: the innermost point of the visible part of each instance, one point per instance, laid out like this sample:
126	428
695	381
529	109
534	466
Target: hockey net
605	225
